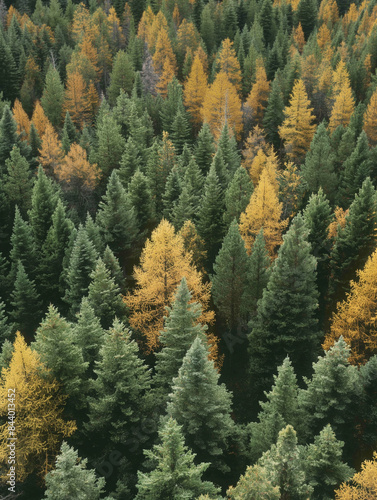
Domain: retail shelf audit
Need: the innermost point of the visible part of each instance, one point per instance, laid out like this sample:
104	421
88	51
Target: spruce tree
237	195
228	146
26	312
35	144
6	330
6	354
110	145
81	264
210	217
141	199
324	467
221	169
8	135
130	162
23	247
53	97
170	105
259	273
286	321
202	407
56	346
183	209
171	194
174	473
112	264
18	182
230	281
318	170
71	479
307	16
181	328
274	116
104	296
116	217
180	130
69	134
204	149
94	233
193	181
122	76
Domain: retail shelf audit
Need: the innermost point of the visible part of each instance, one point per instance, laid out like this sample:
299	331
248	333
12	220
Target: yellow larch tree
81	22
299	38
323	37
145	24
203	57
22	119
51	152
39	119
75	99
256	166
229	64
117	37
363	485
195	91
93	101
343	108
263	210
222	105
265	160
163	53
254	143
258	97
328	13
297	130
159	23
38	406
163	263
166	77
370	119
339	222
340	74
76	170
187	37
356	317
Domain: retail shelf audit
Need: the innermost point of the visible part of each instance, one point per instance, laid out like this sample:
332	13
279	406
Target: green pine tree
221	169
274	116
141	199
172	191
130	162
183	209
18	182
23	247
204	149
180	130
122	76
228	146
237	195
94	233
174	473
112	264
8	135
53	96
307	16
6	354
110	145
6	329
69	134
170	105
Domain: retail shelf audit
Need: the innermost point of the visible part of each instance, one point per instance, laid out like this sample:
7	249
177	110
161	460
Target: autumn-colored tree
166	77
370	119
299	37
39	119
258	97
363	485
164	51
229	63
339	222
297	129
163	263
323	37
76	170
344	105
222	105
356	318
38	405
195	90
75	101
22	119
263	210
265	161
51	153
187	38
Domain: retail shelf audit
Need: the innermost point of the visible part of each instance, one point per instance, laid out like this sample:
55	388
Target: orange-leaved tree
195	90
163	263
39	119
76	100
356	317
297	130
38	406
164	52
263	210
258	97
22	119
229	63
76	171
167	75
370	119
51	152
222	105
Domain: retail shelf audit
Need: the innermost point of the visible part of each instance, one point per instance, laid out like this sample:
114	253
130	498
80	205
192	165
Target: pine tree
116	217
110	145
237	195
6	329
181	328
180	130
55	344
72	476
122	76
258	98
53	97
173	189
170	106
23	247
210	217
81	264
130	162
229	150
297	129
324	467
274	115
204	149
25	301
18	183
307	16
183	209
279	328
104	296
69	134
280	409
202	407
141	200
174	474
318	170
259	272
230	280
8	135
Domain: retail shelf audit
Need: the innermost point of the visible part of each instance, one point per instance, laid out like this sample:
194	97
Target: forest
188	250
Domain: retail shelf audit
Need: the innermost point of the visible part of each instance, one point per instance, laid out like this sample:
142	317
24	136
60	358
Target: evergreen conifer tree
141	199
237	195
23	247
274	115
172	191
18	183
180	130
130	162
122	76
69	134
8	135
53	96
112	264
204	148
259	272
228	146
6	330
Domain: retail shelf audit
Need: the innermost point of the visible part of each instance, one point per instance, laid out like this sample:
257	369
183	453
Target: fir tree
141	199
6	330
110	145
183	209
130	162
180	130
174	474
307	16
6	354
237	195
35	143
104	296
204	149
8	135
122	76
172	103
18	183
279	327
112	264
94	233
274	116
202	407
228	146
53	97
259	273
254	484
69	134
23	247
172	191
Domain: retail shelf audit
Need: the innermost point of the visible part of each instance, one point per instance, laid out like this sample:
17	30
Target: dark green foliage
23	247
18	182
228	146
307	16
6	354
204	149
237	195
53	96
286	322
8	136
141	200
130	162
193	181
274	116
122	76
175	475
110	145
9	75
183	210
112	264
265	19
221	169
230	281
94	233
172	191
207	29
202	407
69	135
35	143
171	105
6	329
368	407
180	130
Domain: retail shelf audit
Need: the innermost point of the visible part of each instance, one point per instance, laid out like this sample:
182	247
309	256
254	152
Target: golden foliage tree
163	263
222	105
344	105
297	130
229	64
363	485
356	317
187	37
258	97
263	210
254	143
39	119
164	52
51	153
195	90
166	77
194	245
75	99
299	38
76	170
38	408
370	119
22	119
